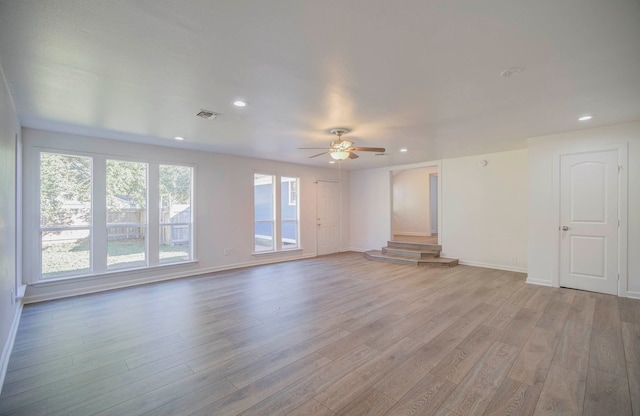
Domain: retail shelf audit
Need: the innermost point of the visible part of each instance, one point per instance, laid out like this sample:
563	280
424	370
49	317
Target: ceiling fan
343	149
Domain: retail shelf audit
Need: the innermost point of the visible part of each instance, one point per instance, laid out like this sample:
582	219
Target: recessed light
404	149
585	118
240	103
179	138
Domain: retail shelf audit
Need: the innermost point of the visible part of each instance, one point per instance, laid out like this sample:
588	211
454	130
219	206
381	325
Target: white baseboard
8	345
65	293
358	249
492	266
633	294
539	282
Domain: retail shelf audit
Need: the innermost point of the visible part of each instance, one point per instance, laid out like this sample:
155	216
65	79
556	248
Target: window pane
263	236
175	213
289	212
65	214
126	214
289	198
175	243
65	190
66	253
289	234
175	188
126	247
126	192
263	197
263	212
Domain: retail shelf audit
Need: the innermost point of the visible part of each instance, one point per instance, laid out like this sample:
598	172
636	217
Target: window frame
277	221
89	226
292	181
293	193
98	229
272	221
190	224
144	225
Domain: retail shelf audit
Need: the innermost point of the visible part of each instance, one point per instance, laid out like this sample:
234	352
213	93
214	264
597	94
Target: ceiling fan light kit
343	149
339	155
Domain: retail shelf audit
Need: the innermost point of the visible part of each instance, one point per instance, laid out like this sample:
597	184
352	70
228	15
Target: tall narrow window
65	214
176	218
126	214
289	212
264	212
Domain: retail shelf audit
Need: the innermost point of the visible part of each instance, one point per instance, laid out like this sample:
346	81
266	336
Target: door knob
565	228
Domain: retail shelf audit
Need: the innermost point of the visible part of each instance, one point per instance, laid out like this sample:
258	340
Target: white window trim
277	212
98	264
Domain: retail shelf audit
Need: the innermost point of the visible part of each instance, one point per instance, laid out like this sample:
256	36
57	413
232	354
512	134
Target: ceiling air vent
208	114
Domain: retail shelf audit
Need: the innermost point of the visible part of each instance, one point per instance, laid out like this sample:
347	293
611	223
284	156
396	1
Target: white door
328	217
589	221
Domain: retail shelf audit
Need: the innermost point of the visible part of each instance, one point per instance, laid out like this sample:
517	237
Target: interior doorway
414	205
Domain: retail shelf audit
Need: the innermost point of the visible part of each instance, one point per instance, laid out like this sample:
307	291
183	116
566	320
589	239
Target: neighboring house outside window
276	219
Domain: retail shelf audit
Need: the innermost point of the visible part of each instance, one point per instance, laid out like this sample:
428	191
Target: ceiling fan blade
319	154
353	155
314	148
368	149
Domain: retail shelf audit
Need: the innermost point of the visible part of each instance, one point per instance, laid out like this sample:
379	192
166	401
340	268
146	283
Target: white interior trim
622	149
8	345
65	292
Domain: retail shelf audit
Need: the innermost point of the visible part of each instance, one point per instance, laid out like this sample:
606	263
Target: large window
176	220
275	224
65	214
126	214
94	214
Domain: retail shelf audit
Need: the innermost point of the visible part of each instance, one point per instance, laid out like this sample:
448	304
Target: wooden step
411	252
414	246
431	261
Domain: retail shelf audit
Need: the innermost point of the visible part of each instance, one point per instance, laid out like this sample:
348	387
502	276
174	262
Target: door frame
622	149
391	169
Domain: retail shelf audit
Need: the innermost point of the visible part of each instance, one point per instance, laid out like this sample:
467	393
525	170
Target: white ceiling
421	74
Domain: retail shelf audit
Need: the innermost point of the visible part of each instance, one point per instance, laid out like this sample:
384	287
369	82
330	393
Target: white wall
483	210
543	224
223	209
370	215
9	307
411	196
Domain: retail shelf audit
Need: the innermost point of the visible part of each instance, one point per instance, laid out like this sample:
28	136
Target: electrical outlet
228	251
514	260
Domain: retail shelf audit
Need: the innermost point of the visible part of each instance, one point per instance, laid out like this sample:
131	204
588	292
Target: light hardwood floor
334	335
